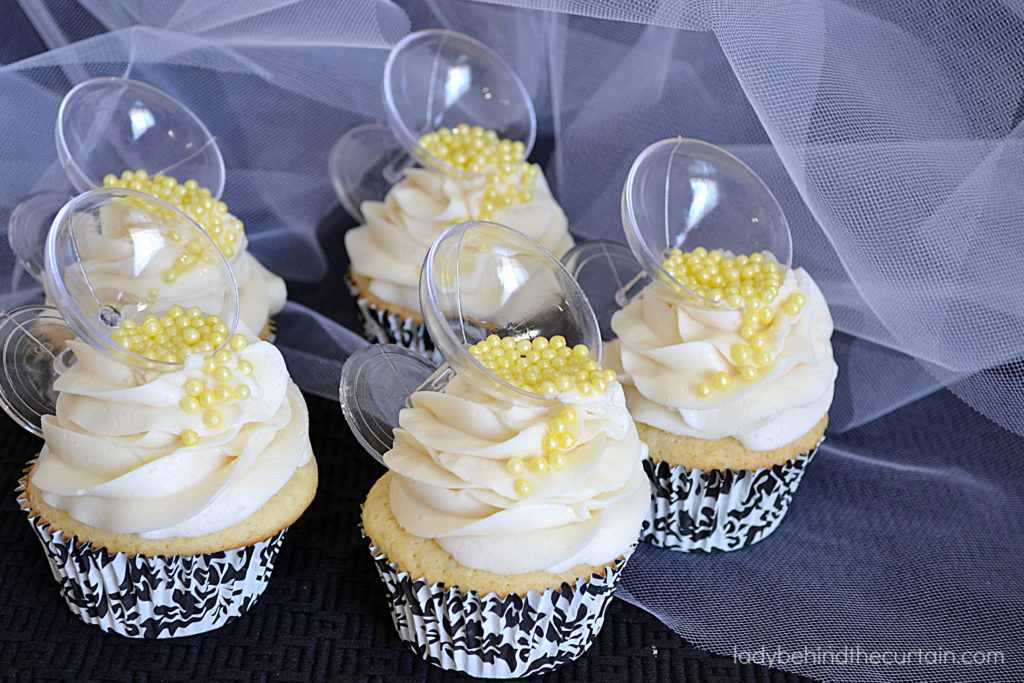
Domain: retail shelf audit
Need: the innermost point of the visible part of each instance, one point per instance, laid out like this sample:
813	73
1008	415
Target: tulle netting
891	134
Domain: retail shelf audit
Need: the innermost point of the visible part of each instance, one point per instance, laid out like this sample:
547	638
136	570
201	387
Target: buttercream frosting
450	481
667	346
113	456
390	246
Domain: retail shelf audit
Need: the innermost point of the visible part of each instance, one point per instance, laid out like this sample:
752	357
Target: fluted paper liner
154	597
489	636
694	510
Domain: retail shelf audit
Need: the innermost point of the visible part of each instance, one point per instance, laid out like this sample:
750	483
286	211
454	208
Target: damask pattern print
694	510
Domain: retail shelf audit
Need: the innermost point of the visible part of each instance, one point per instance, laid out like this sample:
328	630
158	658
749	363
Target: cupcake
176	447
386	251
162	498
732	402
502	528
261	294
723	349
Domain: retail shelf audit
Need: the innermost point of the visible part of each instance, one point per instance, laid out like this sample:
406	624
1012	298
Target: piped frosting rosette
717	338
160	421
516	457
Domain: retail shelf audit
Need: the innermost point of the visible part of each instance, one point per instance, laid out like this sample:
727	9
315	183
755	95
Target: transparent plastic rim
84	329
65	153
409	138
652	261
446	338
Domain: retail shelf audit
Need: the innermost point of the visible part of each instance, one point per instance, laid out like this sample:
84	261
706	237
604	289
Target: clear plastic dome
112	125
440	78
685	194
432	79
481	278
114	255
34	347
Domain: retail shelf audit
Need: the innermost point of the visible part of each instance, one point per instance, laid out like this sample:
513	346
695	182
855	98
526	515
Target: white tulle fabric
891	134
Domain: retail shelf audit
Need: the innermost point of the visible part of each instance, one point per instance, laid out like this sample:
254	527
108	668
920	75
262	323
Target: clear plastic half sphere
33	343
115	258
684	194
112	125
481	279
440	78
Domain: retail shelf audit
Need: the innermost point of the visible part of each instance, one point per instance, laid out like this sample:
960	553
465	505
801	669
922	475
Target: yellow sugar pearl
209	365
557	460
222	373
756	258
222	357
765	316
748	373
751	318
194	387
721	380
239	342
175	311
523	488
242	392
734	300
585	388
758	340
540	344
549	443
763	358
190	335
747	331
244	367
557	342
224	393
515	466
563	383
569	415
206	398
740	353
566	441
539	464
557	426
189	404
213	419
580	351
547	387
599	384
703	389
189	437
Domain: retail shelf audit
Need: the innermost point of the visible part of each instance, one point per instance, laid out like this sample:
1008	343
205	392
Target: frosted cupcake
387	250
732	403
723	349
176	450
516	488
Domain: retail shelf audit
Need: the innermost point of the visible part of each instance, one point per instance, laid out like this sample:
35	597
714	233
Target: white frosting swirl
390	247
666	347
113	457
449	480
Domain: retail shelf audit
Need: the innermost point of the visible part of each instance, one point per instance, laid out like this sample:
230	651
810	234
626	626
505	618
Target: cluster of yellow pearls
742	281
196	201
204	394
747	283
541	366
559	437
475	150
174	336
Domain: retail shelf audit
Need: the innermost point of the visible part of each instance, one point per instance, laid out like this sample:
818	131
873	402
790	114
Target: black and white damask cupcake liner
694	510
154	597
382	327
489	636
